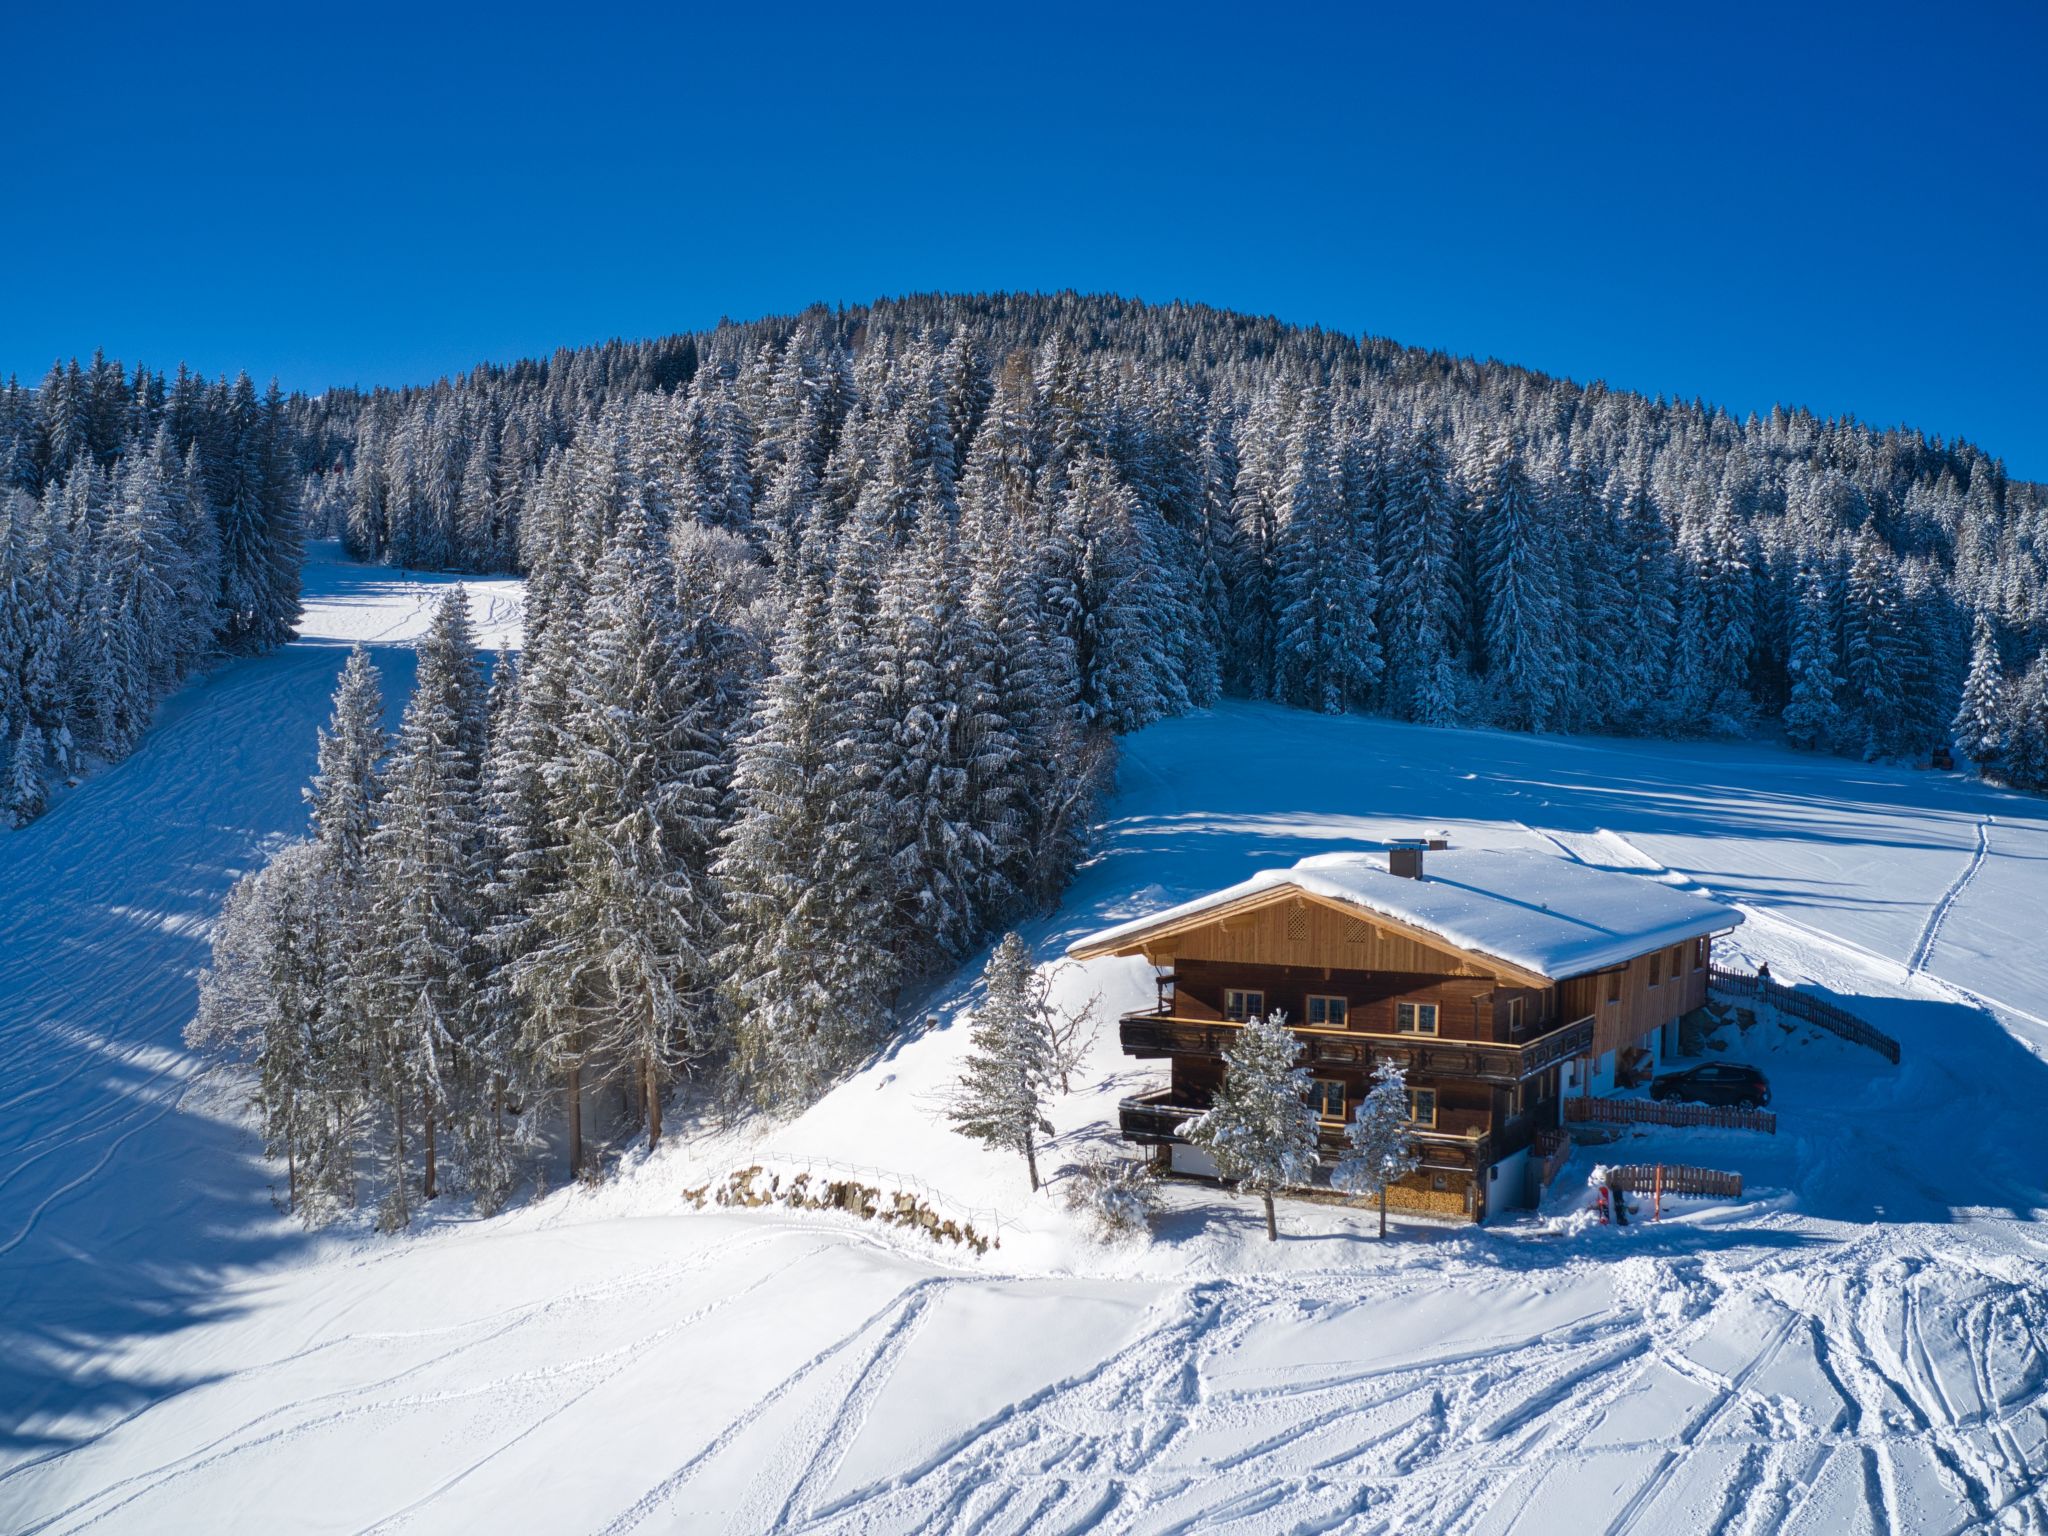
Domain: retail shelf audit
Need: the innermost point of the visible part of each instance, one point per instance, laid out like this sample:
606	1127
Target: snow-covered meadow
1861	1342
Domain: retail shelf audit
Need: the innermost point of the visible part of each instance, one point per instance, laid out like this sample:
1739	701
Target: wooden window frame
1309	1010
1657	969
1319	1096
1413	1117
1249	1014
1435	1019
1515	1012
1613	988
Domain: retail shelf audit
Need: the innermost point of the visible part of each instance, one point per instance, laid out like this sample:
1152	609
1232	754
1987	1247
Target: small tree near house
1000	1098
1381	1152
1261	1128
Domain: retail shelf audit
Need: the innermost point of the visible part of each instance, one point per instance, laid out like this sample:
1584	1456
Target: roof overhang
1140	939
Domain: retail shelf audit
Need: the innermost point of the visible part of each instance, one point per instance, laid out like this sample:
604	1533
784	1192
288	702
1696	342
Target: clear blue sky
1847	211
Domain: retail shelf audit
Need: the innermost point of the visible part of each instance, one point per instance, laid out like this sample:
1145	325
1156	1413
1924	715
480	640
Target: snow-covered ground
1862	1342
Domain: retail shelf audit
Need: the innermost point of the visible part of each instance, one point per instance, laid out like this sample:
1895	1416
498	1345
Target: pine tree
1811	716
1981	715
1261	1129
1380	1151
426	855
808	974
1000	1098
1518	589
1327	652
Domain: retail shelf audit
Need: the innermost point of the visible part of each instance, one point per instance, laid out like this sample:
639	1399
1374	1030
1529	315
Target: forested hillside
143	526
1291	514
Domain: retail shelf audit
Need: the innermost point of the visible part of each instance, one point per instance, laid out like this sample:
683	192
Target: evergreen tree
1980	720
1810	715
808	975
1518	590
1000	1098
1327	652
1379	1149
1260	1129
426	878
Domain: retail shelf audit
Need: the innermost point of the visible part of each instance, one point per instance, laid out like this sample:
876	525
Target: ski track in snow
1924	945
177	1356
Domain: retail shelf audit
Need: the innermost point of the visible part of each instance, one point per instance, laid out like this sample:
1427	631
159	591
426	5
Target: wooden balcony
1460	1140
1423	1056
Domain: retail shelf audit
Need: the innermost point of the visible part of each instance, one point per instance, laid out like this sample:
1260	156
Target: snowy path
1862	1344
126	1187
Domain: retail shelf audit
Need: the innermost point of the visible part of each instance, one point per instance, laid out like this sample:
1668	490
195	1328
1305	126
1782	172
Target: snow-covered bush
1117	1196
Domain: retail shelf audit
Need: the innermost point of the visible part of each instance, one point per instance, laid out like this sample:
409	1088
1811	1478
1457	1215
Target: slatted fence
1651	1112
1678	1179
1804	1005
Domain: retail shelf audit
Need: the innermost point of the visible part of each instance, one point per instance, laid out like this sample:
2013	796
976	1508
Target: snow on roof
1533	910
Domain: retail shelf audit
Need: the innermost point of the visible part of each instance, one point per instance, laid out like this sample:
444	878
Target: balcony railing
1504	1062
1461	1139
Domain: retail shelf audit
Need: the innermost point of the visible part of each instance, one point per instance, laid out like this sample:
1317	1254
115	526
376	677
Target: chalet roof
1535	911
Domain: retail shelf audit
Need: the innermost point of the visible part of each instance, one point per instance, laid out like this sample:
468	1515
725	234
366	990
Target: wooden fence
1651	1112
1678	1179
1804	1005
1551	1149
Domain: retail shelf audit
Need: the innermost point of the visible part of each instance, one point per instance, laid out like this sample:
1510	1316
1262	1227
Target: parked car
1718	1082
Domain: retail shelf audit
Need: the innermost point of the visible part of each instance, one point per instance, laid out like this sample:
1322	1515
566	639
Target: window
1328	1098
1415	1018
1422	1106
1657	968
1513	1012
1677	960
1614	986
1327	1011
1243	1005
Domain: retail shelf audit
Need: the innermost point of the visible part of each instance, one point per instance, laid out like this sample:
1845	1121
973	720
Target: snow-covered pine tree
2025	763
1873	643
1980	720
1812	718
1260	1128
1379	1146
1518	589
999	1100
426	880
1418	580
630	929
1326	588
1647	578
808	974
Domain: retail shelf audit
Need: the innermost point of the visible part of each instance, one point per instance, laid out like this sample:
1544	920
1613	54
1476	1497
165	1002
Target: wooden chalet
1500	979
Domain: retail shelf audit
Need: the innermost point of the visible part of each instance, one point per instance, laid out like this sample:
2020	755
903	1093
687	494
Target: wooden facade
1489	1047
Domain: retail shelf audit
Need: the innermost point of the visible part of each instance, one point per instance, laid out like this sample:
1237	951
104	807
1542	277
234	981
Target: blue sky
1843	210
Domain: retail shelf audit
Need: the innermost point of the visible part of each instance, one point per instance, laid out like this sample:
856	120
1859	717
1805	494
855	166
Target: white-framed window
1330	1012
1328	1097
1240	1005
1422	1106
1415	1018
1514	1012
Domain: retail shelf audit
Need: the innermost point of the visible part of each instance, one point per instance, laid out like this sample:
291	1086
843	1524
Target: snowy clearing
1862	1342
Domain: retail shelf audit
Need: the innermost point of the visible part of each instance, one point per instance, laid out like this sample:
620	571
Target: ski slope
1862	1343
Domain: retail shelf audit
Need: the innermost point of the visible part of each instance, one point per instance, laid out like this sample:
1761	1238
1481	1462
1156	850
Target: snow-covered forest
144	526
1284	513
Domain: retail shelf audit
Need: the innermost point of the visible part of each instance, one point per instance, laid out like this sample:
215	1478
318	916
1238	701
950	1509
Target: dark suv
1718	1082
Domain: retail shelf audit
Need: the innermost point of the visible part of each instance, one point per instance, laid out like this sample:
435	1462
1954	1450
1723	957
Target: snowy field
1860	1343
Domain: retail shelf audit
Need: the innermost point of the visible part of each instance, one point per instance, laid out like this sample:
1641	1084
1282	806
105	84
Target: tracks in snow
1930	931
